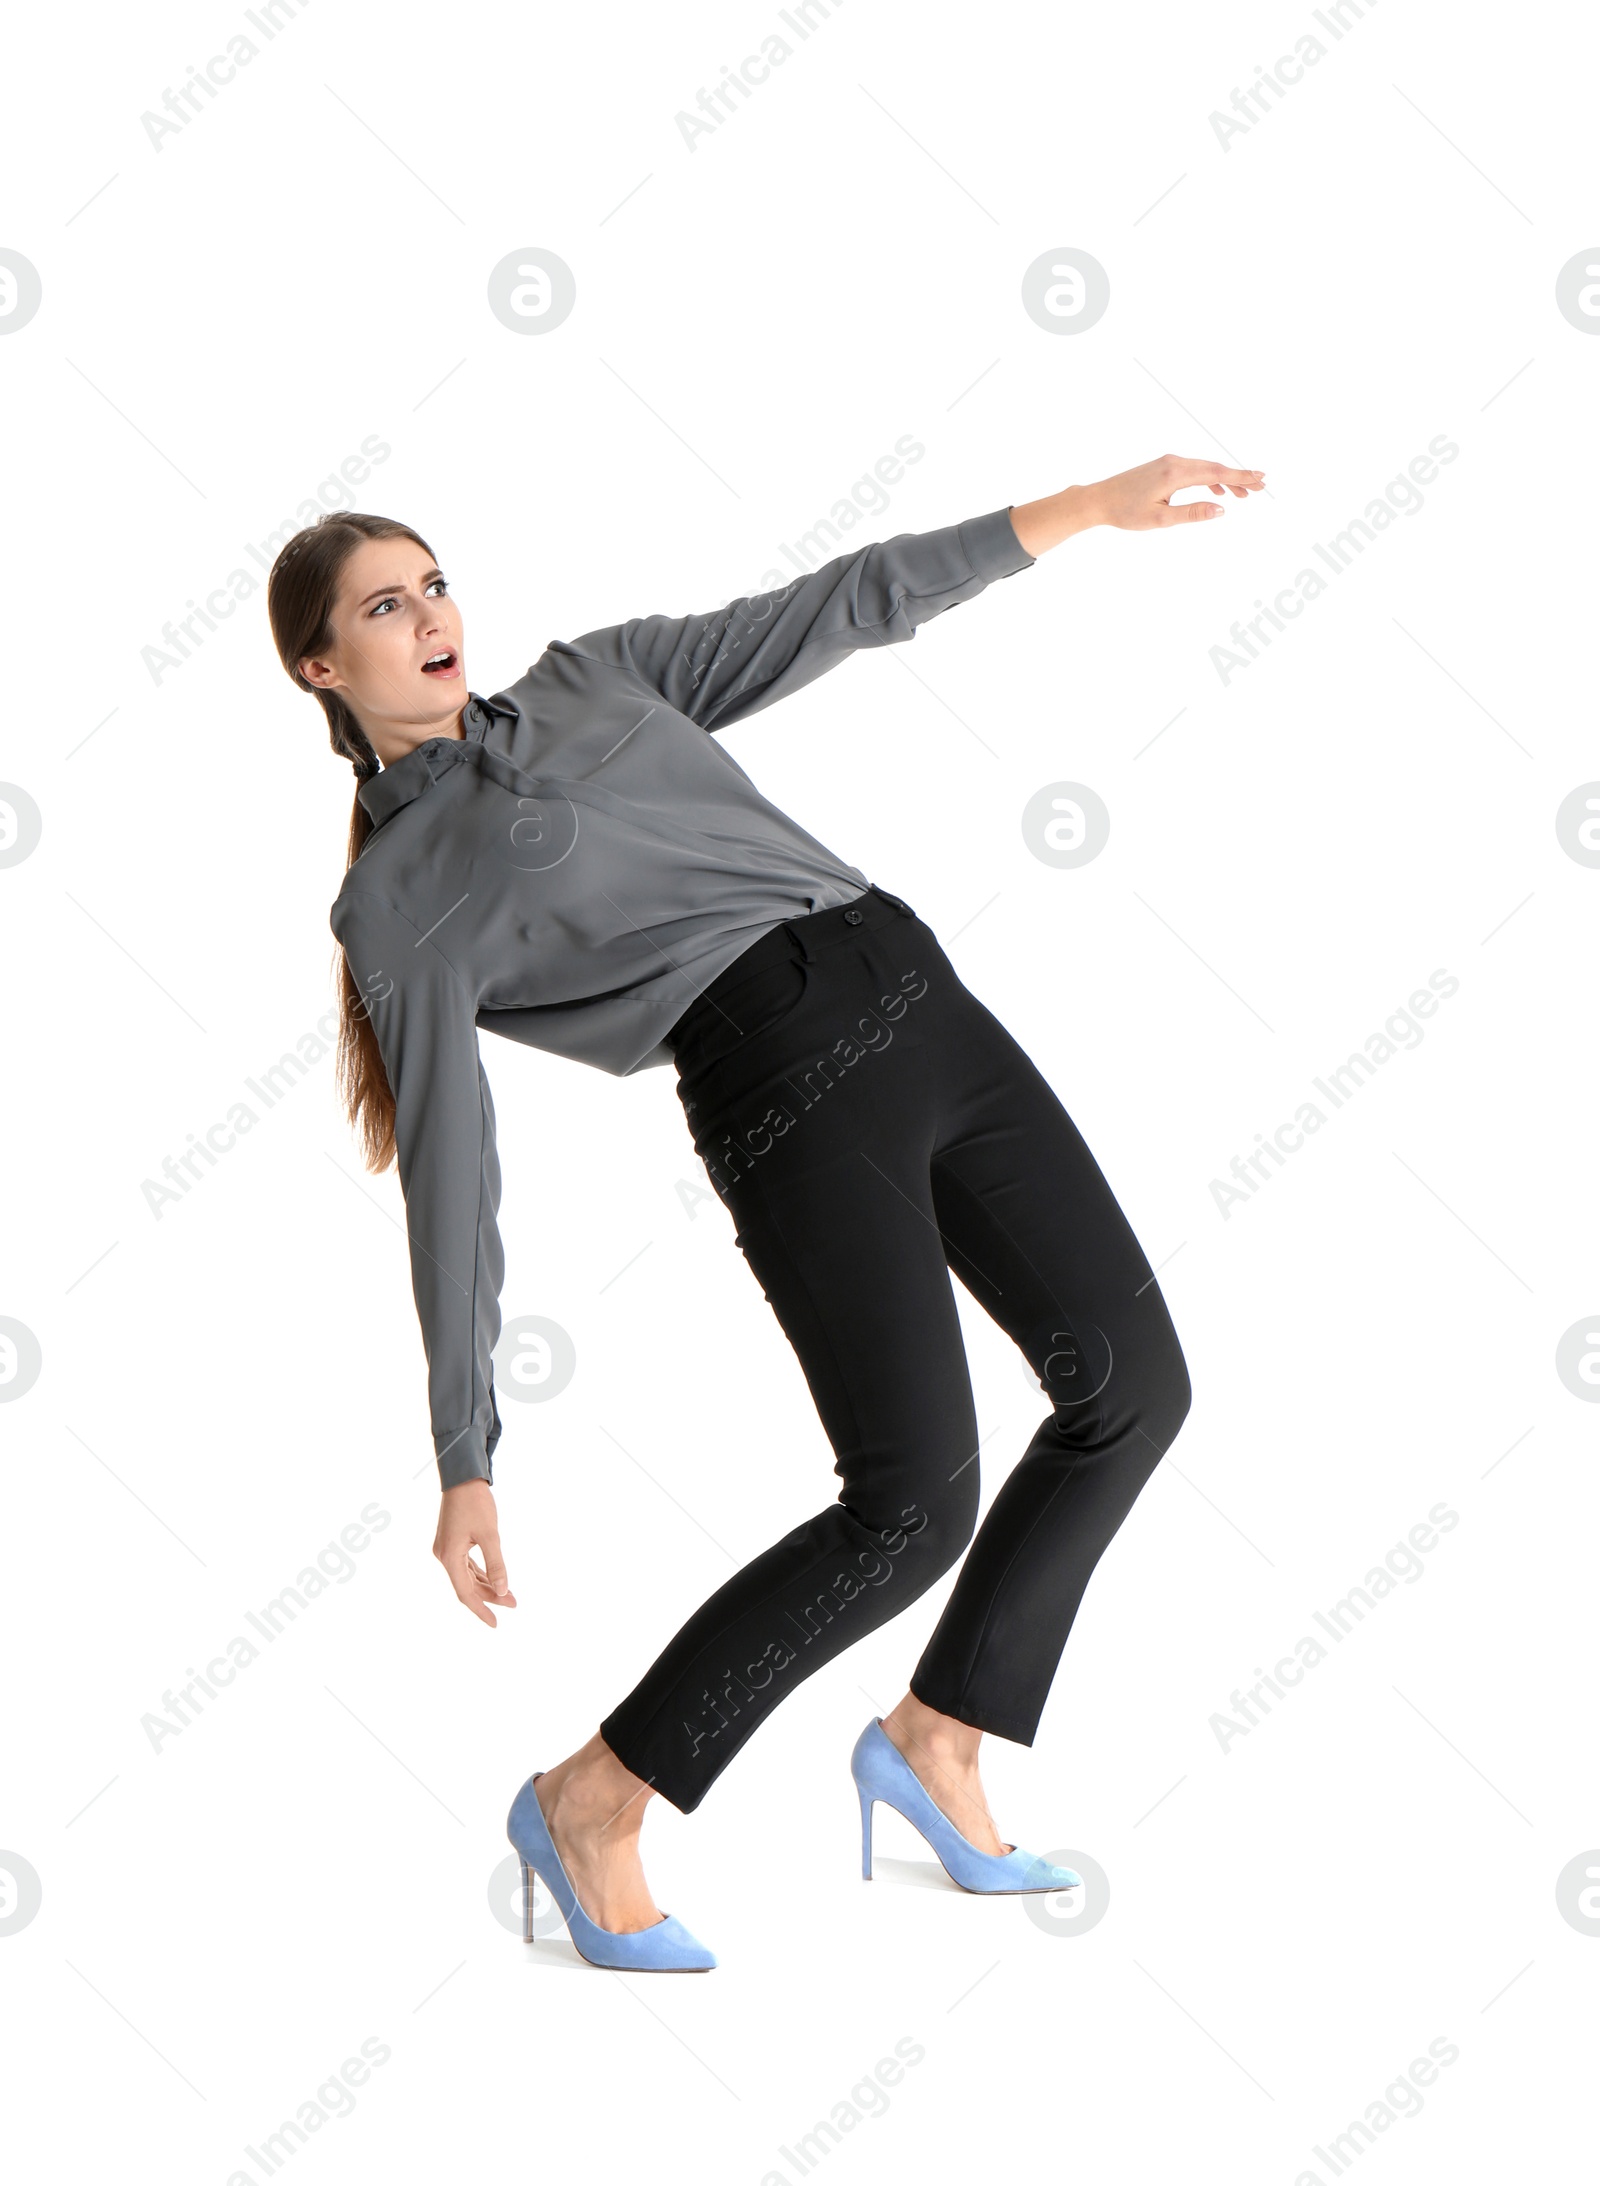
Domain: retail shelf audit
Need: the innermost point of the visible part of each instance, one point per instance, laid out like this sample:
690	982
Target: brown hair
300	594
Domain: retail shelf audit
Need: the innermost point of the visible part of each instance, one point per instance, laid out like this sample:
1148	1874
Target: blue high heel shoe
881	1771
668	1947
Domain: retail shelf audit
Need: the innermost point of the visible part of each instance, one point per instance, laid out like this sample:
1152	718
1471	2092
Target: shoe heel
527	1903
866	1835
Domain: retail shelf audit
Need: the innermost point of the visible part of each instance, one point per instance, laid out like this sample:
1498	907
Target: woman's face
391	618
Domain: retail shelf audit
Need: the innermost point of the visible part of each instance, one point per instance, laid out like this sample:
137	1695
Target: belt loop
799	940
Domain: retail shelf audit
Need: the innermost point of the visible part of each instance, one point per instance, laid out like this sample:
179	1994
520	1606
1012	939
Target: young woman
577	864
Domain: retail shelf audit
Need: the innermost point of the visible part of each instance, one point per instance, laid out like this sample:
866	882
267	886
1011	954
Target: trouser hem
1021	1730
673	1791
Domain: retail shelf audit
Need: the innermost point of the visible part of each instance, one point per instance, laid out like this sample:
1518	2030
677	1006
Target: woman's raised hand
1140	500
467	1521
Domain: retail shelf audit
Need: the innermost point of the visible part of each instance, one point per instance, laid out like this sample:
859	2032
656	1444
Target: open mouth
441	664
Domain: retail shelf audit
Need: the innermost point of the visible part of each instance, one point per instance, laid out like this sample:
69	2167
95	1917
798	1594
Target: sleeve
717	668
449	1166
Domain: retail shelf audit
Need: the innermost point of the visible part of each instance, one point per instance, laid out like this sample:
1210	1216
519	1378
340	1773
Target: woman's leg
1034	1231
1036	1235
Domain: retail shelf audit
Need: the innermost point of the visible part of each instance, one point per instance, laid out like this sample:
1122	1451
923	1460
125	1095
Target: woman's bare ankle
913	1724
593	1790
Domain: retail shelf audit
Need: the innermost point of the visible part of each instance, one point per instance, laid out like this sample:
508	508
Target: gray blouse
573	870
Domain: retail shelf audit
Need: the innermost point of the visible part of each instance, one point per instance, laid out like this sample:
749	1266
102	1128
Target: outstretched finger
1197	472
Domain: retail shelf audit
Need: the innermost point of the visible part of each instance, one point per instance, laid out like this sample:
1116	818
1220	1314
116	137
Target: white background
308	1865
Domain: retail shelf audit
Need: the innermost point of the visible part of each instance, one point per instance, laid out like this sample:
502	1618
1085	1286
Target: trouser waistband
819	930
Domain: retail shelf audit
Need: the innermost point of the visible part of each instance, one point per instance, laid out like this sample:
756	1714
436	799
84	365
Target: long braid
348	738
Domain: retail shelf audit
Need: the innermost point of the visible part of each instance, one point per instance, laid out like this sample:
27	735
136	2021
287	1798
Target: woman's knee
1175	1391
1141	1400
1162	1393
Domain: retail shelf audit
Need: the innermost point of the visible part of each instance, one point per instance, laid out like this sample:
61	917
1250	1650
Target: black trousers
872	1128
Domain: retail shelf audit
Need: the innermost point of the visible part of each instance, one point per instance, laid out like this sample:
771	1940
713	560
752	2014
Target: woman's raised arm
716	668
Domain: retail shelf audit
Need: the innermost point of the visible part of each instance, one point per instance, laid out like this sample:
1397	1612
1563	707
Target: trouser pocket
723	1045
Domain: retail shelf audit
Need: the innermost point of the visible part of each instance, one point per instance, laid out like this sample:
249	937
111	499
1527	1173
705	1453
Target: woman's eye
441	584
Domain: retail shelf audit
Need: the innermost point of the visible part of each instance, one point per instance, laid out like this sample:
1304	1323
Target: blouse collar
396	785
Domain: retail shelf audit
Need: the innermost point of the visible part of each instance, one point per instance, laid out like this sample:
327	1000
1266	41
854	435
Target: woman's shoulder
566	665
